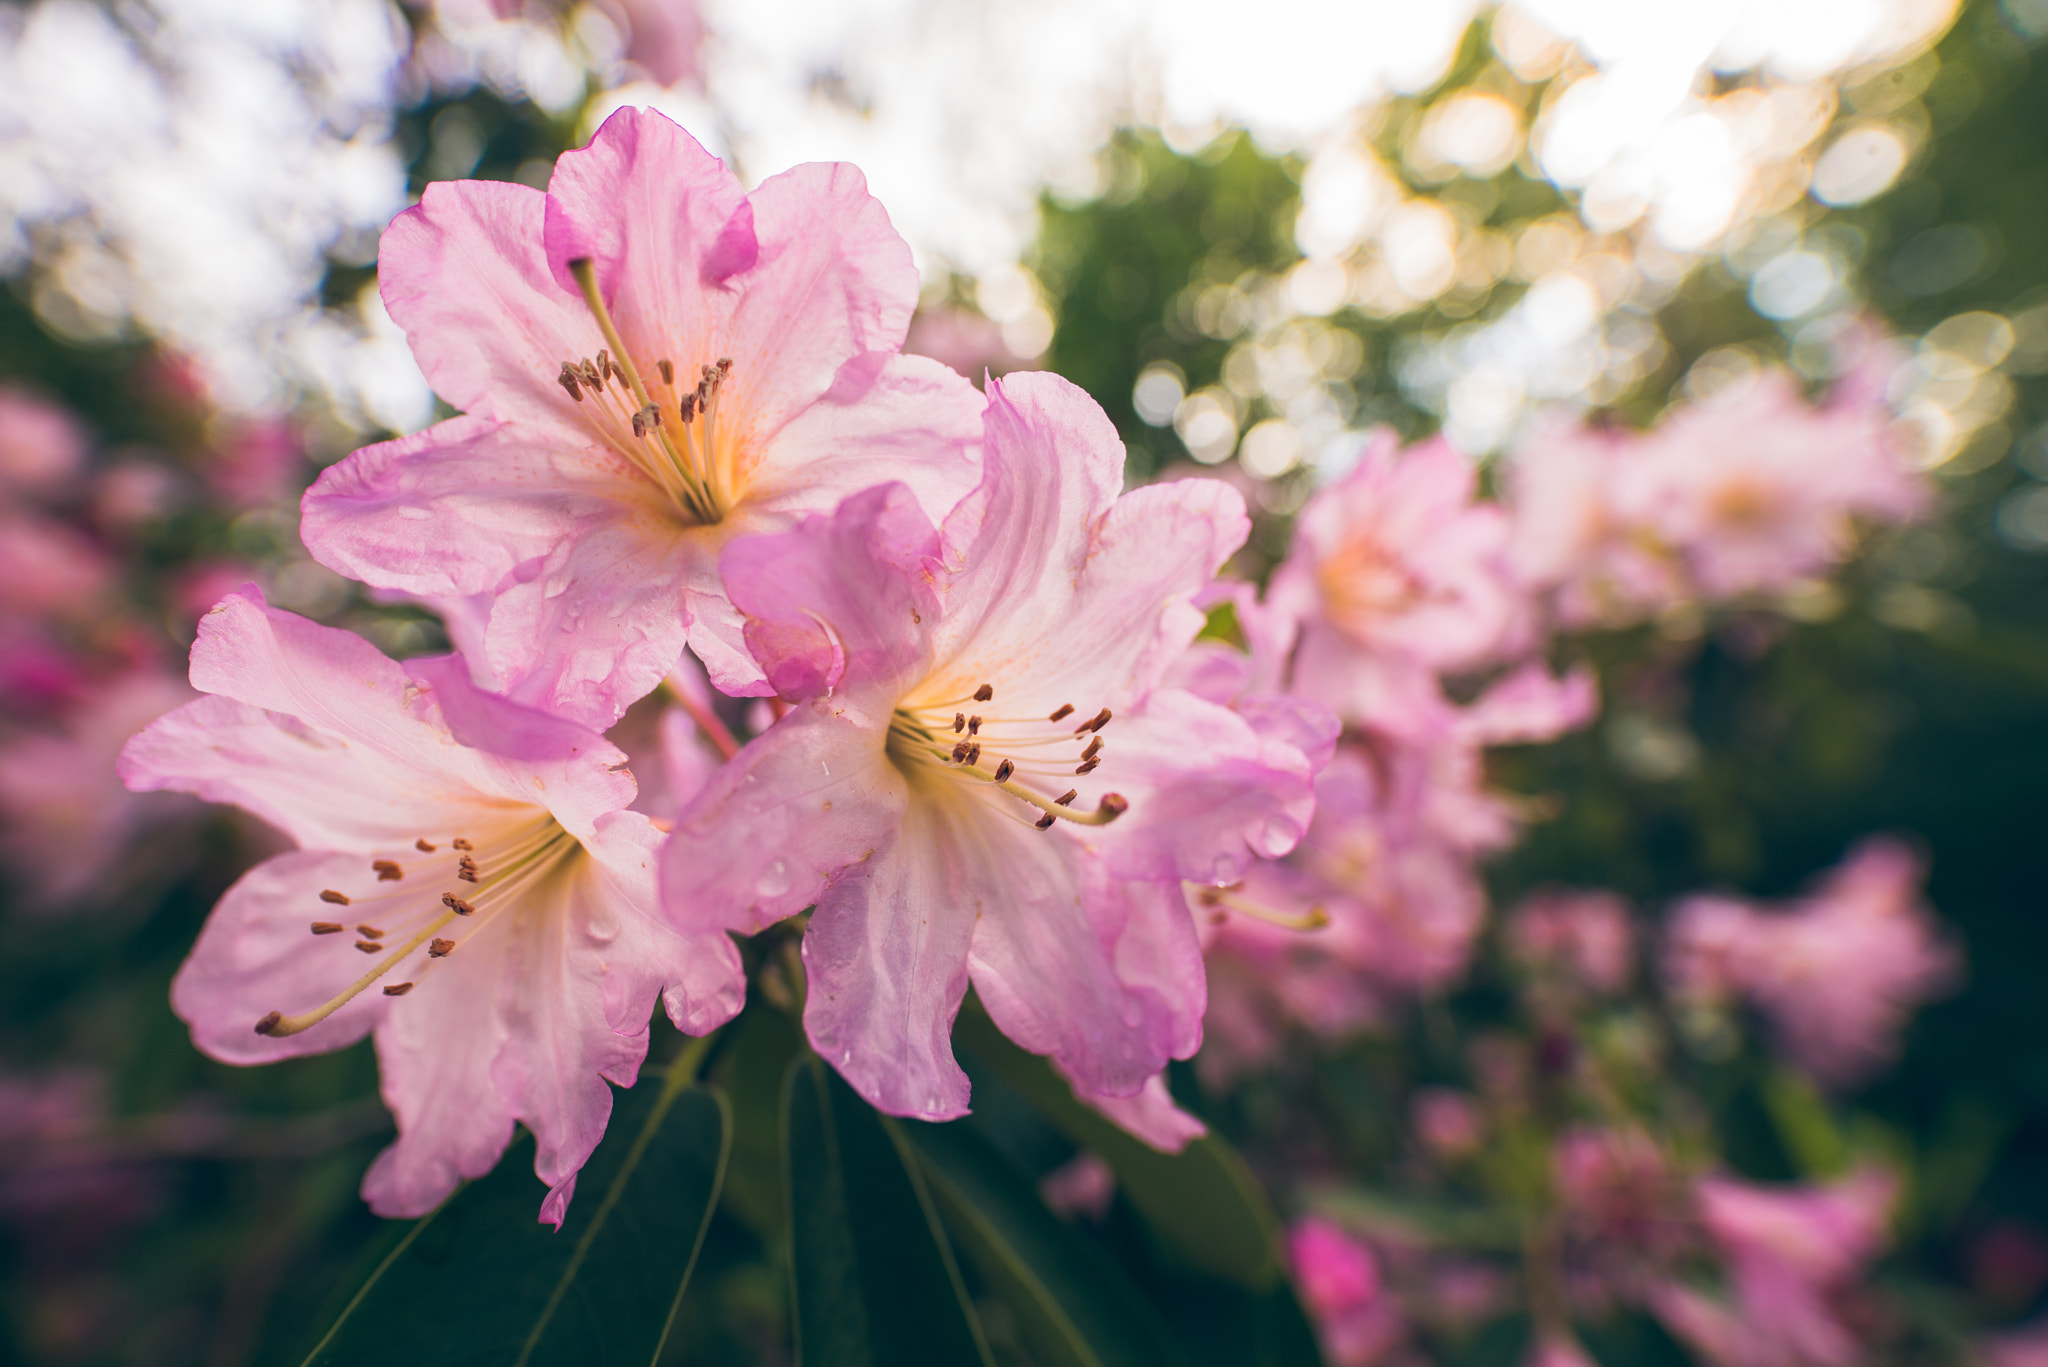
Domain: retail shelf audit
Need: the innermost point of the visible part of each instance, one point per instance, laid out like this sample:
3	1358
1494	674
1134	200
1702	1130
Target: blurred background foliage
158	1208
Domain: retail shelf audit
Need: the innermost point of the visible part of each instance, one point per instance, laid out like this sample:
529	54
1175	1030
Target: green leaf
872	1273
1075	1306
751	1067
482	1281
1202	1204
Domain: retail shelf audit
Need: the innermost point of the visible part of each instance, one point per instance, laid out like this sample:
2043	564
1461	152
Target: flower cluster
687	426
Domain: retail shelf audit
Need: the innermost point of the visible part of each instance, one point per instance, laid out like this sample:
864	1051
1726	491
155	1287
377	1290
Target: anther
973	753
724	366
689	408
959	722
459	843
456	904
369	946
327	928
960	752
1088	767
668	372
1045	822
1094	723
1004	770
567	379
423	846
639	424
1066	710
439	949
1094	746
604	363
974	726
984	693
1066	797
339	899
387	871
397	989
269	1022
592	377
465	869
370	932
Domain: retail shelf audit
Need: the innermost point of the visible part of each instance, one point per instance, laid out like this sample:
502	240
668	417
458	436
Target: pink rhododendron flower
1447	1121
1576	500
1788	1252
651	362
1587	936
41	443
468	886
1083	1185
950	692
2023	1347
47	568
1397	573
1340	1287
1556	1351
1837	973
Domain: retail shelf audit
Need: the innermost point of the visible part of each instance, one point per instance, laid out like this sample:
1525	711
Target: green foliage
479	1281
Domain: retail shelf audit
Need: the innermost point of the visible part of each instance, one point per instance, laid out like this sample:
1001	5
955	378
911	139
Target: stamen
1088	767
439	949
387	871
1066	710
1004	770
1045	822
959	721
1094	723
423	847
1315	918
985	693
960	752
369	946
397	989
973	726
328	928
973	753
459	843
370	932
269	1022
1067	798
465	869
1094	747
339	899
668	372
689	408
457	905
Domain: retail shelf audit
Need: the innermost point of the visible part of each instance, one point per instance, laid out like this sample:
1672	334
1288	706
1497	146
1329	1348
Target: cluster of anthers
683	459
918	734
528	855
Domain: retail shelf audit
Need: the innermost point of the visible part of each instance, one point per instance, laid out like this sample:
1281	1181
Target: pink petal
886	955
832	279
664	222
464	274
839	597
1150	1114
797	806
698	974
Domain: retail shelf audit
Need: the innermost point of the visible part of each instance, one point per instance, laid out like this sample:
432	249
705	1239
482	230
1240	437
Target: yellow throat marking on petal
943	738
678	451
493	878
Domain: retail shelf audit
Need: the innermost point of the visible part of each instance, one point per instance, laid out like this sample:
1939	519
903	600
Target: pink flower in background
1340	1288
1623	1205
1398	572
67	826
1084	1185
42	445
2023	1347
962	339
1758	489
1447	1122
950	692
48	568
1555	1351
1575	496
1837	973
665	38
651	362
1789	1252
1586	936
467	886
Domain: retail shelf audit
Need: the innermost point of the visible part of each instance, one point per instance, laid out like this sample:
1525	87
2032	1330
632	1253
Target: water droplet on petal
775	880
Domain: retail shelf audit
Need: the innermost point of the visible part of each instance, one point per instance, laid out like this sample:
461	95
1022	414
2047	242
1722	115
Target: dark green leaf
1075	1306
1202	1204
873	1275
751	1068
481	1281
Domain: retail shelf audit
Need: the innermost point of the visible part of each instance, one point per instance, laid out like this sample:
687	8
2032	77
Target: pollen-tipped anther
1004	770
425	846
959	722
1094	748
985	693
668	371
1066	799
1088	766
387	870
1066	709
397	989
370	932
1094	723
457	905
328	928
369	946
459	843
330	896
1045	822
440	949
974	726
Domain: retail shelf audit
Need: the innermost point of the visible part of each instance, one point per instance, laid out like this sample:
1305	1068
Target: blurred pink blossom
48	567
969	342
1556	1350
41	443
665	38
2026	1346
1083	1185
1586	936
1836	973
1446	1121
1339	1282
1789	1252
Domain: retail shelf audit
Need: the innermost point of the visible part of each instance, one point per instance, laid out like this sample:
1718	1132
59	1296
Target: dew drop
775	880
